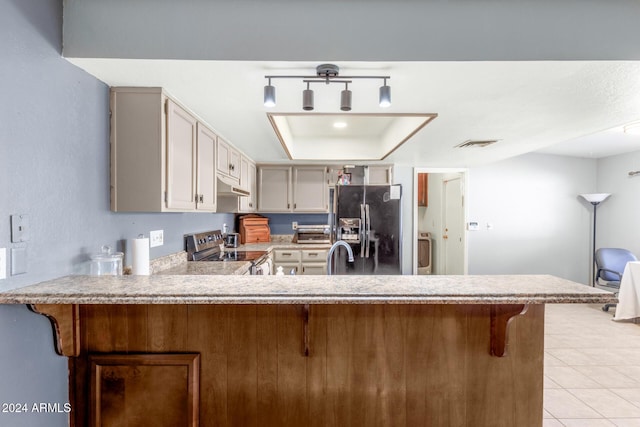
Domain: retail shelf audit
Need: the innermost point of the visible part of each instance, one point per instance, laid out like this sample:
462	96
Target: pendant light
345	98
385	95
269	95
307	99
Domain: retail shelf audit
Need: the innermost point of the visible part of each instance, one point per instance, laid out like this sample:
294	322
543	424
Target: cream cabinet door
206	170
253	197
310	189
314	269
274	189
228	160
248	182
234	163
381	175
181	158
223	157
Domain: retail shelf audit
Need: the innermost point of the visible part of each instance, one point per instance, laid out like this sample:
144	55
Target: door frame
465	185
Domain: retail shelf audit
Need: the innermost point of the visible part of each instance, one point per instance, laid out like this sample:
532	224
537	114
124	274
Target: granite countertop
208	268
233	289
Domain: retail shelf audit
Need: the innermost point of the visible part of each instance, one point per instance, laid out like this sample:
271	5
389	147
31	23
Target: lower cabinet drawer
319	255
314	269
286	255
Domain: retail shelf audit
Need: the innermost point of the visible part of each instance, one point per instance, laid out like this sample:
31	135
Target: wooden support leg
501	316
65	321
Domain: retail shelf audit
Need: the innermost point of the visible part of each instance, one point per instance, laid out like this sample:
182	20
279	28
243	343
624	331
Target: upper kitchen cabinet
310	189
380	174
361	174
300	189
181	158
228	160
274	189
241	196
162	157
248	182
206	169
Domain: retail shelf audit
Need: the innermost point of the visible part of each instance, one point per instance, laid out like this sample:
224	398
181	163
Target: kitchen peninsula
229	350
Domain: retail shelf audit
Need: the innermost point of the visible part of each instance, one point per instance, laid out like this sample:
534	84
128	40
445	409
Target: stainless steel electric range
207	247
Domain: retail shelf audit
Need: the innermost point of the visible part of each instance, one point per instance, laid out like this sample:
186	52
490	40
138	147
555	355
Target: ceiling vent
476	143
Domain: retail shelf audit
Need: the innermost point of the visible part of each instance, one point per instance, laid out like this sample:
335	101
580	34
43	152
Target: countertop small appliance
232	240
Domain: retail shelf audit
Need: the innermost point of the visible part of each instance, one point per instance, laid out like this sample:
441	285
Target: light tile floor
591	368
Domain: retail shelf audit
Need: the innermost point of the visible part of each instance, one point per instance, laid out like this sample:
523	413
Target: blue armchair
610	264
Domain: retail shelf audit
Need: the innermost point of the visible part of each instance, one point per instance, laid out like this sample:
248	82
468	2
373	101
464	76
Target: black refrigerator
369	219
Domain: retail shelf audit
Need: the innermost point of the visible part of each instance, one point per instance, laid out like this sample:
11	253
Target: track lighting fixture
307	99
327	73
385	95
269	95
345	98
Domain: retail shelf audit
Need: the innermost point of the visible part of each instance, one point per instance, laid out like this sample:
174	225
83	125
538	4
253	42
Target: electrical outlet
294	225
156	238
3	263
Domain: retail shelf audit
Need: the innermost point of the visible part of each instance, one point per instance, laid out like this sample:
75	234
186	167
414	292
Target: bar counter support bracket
65	322
501	317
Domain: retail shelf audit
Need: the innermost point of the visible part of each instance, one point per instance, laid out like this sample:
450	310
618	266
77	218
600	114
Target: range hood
227	187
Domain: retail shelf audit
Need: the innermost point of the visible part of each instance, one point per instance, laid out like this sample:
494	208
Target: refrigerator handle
367	215
363	237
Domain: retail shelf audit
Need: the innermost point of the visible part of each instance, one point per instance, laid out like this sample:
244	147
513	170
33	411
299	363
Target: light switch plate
18	261
19	228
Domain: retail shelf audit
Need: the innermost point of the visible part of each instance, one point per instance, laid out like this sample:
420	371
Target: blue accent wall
54	168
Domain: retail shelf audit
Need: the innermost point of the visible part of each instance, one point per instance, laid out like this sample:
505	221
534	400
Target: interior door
453	227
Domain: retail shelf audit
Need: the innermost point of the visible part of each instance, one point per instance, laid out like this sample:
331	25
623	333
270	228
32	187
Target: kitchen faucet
333	249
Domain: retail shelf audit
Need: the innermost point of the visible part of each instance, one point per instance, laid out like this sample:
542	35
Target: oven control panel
202	241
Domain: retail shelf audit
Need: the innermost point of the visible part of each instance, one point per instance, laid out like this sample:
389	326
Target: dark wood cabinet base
390	365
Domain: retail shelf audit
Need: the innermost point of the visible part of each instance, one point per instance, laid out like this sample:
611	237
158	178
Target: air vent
477	143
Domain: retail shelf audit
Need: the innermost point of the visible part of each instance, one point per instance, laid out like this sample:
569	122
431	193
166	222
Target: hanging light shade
307	99
345	99
269	95
385	95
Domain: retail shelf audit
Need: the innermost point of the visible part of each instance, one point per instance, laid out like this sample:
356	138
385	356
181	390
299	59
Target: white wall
540	225
618	216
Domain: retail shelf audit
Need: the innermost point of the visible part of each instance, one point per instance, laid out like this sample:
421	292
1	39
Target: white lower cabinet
314	261
301	261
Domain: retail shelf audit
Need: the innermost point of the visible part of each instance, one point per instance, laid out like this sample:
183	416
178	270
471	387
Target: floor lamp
595	199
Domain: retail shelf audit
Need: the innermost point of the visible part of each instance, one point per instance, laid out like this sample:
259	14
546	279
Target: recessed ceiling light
340	125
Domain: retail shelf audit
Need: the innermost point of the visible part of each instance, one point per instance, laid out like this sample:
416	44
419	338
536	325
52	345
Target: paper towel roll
140	249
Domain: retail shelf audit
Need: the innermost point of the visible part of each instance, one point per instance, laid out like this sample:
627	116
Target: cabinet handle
288	206
313	254
295	205
286	254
